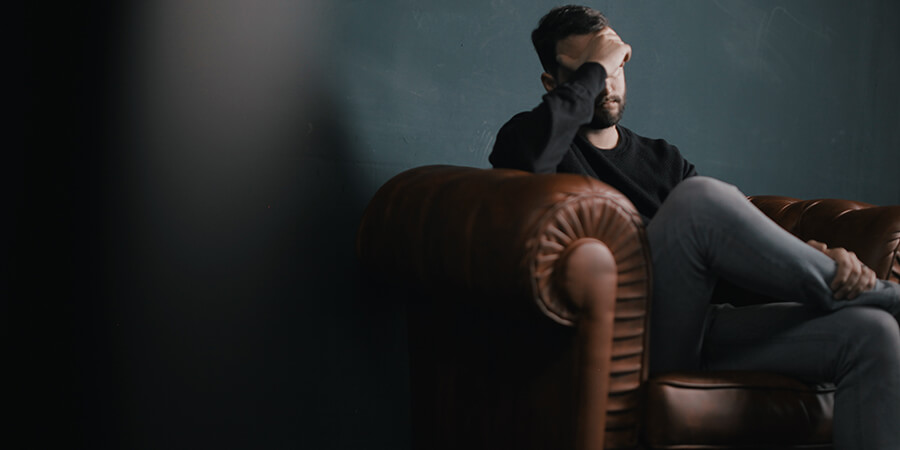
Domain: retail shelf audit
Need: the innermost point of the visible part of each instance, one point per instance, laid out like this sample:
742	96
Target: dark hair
560	23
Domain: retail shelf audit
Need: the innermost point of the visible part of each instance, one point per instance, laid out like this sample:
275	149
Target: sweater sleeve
688	170
537	140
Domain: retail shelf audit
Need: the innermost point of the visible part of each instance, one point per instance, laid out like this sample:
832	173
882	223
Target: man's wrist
592	75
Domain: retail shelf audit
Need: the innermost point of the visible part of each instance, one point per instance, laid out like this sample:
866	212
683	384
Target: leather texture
872	232
480	241
721	409
513	343
498	232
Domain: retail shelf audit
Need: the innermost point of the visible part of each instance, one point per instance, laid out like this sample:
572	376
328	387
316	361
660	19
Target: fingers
604	47
868	279
614	37
849	288
608	49
842	274
852	276
817	245
865	281
608	34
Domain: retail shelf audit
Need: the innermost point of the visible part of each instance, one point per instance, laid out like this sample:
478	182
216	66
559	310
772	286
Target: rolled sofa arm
500	233
561	246
872	232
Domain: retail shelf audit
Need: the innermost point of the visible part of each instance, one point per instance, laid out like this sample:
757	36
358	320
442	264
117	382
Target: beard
605	117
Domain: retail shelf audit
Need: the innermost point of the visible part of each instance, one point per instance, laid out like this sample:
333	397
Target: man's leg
857	348
706	229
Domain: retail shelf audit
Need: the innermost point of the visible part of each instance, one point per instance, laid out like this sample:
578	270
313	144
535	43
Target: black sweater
546	140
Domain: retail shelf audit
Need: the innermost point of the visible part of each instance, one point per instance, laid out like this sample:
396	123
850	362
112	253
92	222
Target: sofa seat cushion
737	410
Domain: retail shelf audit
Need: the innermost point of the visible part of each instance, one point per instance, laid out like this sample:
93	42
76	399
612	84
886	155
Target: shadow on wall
218	306
247	328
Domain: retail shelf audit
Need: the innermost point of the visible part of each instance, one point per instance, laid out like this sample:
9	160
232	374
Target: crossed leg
857	349
707	229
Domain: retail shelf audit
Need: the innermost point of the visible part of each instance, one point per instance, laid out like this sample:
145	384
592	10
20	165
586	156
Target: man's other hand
852	276
604	47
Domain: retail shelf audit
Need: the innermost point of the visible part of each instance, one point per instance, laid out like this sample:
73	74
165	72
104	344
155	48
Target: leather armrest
498	233
872	232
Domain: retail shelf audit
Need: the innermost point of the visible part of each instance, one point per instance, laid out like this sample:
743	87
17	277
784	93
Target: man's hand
852	276
604	47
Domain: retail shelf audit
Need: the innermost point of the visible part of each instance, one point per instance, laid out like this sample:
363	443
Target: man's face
610	104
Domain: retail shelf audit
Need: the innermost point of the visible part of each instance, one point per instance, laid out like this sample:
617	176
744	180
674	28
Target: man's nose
610	85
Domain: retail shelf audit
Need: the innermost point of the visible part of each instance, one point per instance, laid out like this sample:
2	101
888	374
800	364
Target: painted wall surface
194	171
792	98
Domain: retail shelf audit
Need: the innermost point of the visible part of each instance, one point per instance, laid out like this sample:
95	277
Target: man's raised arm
536	141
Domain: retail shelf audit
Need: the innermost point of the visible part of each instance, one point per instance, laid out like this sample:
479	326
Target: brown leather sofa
527	299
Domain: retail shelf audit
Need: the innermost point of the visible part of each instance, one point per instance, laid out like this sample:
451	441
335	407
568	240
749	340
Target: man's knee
870	335
704	187
702	195
872	323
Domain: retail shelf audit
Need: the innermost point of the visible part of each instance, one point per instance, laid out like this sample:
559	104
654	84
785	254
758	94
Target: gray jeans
707	229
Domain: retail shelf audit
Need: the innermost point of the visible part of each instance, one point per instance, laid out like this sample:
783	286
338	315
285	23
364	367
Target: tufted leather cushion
764	410
720	409
872	232
477	237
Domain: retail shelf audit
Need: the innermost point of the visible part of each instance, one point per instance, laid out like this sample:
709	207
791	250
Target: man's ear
548	81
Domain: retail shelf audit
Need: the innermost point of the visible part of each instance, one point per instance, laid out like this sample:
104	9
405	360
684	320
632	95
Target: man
838	322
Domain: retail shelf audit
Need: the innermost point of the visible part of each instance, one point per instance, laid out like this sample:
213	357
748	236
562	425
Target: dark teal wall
795	98
193	173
